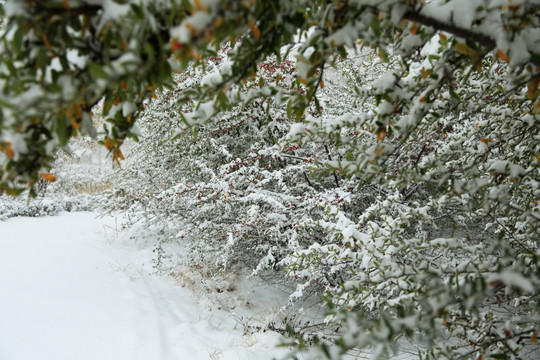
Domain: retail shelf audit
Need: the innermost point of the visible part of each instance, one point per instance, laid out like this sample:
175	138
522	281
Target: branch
336	179
482	39
451	28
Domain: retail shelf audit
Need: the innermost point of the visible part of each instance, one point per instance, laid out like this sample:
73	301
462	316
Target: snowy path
67	292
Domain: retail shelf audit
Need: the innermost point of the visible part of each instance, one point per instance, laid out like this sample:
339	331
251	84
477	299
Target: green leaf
5	104
61	130
97	71
289	109
376	25
17	39
42	59
10	67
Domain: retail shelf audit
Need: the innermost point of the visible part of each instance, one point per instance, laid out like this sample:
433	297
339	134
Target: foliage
424	221
43	206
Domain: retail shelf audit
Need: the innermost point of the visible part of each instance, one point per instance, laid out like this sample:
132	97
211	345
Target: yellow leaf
464	49
48	177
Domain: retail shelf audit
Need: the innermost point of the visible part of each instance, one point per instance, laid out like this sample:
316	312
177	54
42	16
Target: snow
198	22
72	288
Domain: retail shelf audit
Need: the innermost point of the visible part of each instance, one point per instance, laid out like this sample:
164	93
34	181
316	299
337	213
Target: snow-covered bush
230	188
446	255
43	206
422	218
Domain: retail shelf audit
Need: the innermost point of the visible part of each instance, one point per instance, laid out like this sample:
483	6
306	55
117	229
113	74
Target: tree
445	140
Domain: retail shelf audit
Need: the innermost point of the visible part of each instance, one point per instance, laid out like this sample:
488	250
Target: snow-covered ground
70	288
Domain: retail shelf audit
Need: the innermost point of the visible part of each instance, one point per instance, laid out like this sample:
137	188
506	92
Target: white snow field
69	291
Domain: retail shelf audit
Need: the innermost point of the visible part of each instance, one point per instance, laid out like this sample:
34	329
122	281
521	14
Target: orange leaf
254	29
423	99
485	140
379	152
534	338
443	37
46	42
218	22
533	87
48	177
66	4
536	108
74	123
511	7
108	143
501	55
9	150
191	29
199	6
84	26
381	134
414	29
